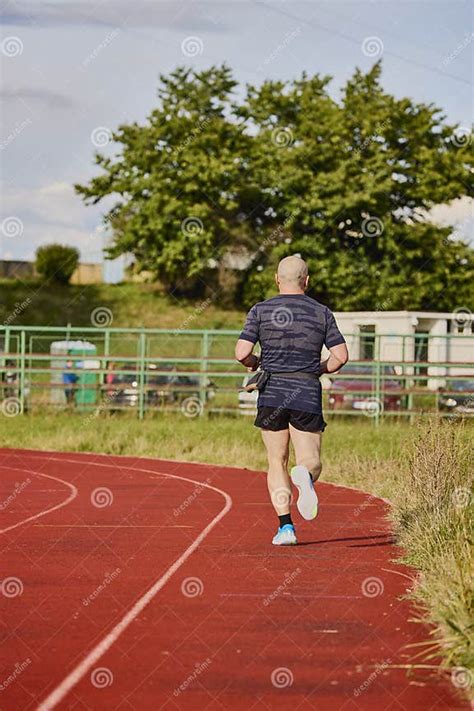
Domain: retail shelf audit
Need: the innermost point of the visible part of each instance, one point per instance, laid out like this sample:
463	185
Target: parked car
160	389
355	392
457	396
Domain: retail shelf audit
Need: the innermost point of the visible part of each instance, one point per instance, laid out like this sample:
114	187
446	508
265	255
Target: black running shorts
278	418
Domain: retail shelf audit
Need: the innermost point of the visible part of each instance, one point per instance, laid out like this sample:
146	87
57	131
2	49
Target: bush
56	262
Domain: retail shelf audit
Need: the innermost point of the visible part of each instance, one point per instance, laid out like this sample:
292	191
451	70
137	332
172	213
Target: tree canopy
212	182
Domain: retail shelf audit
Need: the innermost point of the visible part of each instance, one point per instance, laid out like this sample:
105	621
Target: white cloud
458	214
52	204
454	213
185	14
50	213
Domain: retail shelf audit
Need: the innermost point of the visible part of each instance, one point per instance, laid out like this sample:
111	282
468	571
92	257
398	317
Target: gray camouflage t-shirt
291	330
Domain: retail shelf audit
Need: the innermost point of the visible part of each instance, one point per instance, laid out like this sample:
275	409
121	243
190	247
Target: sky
73	70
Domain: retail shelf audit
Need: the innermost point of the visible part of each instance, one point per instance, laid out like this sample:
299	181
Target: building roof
407	314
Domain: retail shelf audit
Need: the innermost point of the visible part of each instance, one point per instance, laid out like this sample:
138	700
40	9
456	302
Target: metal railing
99	370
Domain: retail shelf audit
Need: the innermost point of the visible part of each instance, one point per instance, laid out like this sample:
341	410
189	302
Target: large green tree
288	169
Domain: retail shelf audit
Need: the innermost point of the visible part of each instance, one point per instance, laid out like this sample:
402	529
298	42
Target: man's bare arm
338	356
243	353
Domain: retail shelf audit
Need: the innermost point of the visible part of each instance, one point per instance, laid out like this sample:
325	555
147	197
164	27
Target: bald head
292	274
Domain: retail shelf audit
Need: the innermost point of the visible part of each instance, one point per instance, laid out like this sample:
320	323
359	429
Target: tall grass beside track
424	469
433	511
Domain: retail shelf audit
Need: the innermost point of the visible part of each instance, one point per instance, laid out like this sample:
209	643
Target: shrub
56	262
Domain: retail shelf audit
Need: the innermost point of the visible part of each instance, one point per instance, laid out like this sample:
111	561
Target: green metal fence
101	370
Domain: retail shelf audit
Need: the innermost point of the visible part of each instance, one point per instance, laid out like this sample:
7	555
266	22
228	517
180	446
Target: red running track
139	584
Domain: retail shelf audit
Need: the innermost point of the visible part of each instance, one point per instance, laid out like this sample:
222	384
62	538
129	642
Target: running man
291	329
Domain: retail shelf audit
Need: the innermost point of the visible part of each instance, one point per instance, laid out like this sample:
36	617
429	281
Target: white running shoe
285	536
307	503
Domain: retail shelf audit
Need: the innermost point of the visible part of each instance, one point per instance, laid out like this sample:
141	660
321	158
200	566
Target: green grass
355	453
132	306
424	470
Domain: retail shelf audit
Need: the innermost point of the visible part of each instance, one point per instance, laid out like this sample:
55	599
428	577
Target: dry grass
433	511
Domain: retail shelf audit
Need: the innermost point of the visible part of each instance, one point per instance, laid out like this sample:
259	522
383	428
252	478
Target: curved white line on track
70	681
45	511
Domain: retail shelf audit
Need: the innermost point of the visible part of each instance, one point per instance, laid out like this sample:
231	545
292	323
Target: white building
419	339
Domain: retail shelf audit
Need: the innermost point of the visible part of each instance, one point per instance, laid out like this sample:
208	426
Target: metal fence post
22	370
141	375
203	368
6	344
6	353
378	389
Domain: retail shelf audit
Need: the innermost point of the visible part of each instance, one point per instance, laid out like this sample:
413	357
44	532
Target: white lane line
67	501
70	681
100	525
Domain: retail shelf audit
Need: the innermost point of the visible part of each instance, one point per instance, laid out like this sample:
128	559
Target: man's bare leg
278	481
307	447
277	446
308	467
